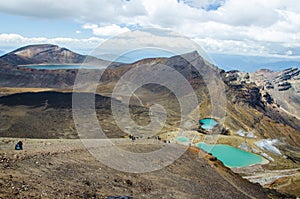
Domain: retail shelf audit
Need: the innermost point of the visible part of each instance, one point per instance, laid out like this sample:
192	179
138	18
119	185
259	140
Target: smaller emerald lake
231	156
208	123
61	67
182	139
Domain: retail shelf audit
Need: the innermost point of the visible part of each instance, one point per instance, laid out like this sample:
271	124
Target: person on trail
19	146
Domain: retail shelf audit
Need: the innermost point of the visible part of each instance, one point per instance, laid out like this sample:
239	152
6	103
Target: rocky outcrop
268	98
285	79
284	86
250	95
240	90
287	74
269	85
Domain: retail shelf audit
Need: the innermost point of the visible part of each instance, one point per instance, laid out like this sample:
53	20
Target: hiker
19	146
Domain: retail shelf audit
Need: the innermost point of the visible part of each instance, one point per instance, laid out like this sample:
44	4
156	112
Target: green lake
182	139
208	123
231	156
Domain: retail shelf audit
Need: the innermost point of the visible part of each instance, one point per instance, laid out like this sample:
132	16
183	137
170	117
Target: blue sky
38	27
228	30
33	27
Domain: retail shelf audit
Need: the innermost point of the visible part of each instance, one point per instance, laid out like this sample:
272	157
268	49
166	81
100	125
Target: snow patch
267	156
246	134
244	146
269	145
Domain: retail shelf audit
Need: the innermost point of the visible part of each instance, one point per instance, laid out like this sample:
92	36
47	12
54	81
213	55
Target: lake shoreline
70	66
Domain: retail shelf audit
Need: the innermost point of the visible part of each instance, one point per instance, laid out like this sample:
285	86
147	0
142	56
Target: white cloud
253	27
110	30
204	4
247	13
89	26
141	39
10	41
93	11
289	52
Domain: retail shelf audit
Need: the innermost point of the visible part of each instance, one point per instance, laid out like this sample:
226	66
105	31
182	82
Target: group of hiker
156	137
133	137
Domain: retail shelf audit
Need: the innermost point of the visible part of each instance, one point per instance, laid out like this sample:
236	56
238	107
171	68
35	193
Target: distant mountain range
252	63
53	54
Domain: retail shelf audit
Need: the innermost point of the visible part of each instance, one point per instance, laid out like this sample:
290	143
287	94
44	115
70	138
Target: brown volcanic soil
64	169
49	115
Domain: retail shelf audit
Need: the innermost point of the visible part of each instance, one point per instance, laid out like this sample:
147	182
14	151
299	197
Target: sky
228	30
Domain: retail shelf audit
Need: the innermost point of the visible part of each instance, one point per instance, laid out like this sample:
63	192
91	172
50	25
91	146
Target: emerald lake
231	156
182	139
208	123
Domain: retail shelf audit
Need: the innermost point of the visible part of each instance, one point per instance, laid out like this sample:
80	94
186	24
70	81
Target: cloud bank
256	27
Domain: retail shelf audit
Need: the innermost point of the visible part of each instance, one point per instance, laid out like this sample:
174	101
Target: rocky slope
262	106
283	86
48	115
65	169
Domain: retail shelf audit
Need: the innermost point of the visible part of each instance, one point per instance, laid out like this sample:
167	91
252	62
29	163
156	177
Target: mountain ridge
42	54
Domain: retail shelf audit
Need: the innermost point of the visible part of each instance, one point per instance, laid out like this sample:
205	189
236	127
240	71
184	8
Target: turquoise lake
182	139
60	67
231	156
208	123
